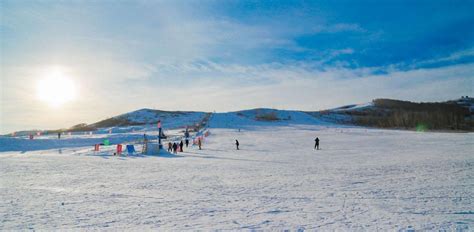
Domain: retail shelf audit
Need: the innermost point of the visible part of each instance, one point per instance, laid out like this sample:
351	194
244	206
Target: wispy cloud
338	27
467	54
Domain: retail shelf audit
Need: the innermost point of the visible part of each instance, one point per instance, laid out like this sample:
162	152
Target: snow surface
362	179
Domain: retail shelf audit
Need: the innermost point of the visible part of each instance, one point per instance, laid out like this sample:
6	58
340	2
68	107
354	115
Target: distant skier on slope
199	143
237	144
181	144
59	135
316	143
187	142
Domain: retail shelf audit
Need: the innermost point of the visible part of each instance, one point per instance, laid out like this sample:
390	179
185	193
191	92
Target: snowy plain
361	179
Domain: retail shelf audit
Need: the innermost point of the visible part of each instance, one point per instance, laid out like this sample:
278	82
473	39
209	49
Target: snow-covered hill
173	119
354	107
263	117
378	110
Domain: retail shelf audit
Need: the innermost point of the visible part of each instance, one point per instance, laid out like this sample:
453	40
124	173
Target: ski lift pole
160	146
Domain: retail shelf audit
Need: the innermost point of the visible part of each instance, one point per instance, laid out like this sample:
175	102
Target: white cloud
166	59
452	57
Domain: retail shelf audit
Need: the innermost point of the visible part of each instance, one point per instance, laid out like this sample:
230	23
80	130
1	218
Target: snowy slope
248	118
362	179
148	116
173	119
51	142
354	107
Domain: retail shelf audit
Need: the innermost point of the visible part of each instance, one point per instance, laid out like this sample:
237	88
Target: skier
316	143
199	143
237	144
59	135
181	146
187	142
170	147
175	148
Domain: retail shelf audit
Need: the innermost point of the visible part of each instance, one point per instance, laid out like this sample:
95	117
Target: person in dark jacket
170	147
237	144
187	142
316	143
59	135
199	143
175	148
181	144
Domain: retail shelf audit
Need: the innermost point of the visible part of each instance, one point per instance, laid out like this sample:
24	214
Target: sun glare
55	88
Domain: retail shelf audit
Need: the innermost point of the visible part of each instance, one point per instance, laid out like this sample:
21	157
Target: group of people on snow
176	147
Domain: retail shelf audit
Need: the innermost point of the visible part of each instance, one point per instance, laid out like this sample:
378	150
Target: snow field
362	179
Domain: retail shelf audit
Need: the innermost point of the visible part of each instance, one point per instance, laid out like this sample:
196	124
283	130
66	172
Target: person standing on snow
187	142
59	135
237	144
181	144
175	148
170	147
316	143
199	143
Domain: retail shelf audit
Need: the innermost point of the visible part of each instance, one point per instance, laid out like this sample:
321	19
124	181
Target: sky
227	55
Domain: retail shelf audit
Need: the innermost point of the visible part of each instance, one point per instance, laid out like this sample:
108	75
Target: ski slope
246	119
362	179
173	119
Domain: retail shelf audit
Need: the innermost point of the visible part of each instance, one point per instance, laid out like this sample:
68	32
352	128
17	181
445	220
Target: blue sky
229	55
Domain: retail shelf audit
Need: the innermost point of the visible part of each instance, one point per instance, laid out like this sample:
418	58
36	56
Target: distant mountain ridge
455	114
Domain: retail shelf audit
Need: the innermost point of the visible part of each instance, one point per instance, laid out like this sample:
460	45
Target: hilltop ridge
456	115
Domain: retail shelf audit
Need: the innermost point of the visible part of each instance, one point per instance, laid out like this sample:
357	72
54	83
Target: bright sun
55	88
